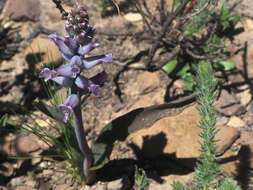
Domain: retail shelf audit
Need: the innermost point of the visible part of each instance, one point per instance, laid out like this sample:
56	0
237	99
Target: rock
153	98
47	172
251	107
228	104
229	163
115	185
240	165
169	4
133	17
147	82
30	183
179	84
50	17
36	161
178	135
63	187
244	94
149	99
222	121
245	138
122	184
236	122
55	16
21	187
43	123
250	55
169	180
249	24
246	156
17	181
20	10
226	137
26	144
42	51
7	169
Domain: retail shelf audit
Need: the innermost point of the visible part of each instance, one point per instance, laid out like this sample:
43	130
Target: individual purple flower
63	81
67	108
83	50
48	74
95	60
86	85
72	69
91	84
67	46
69	49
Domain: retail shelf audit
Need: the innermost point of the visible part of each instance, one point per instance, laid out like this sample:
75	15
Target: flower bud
76	29
79	19
84	14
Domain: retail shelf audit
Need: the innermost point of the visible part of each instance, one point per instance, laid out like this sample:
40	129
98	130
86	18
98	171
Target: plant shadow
244	171
123	7
29	85
150	158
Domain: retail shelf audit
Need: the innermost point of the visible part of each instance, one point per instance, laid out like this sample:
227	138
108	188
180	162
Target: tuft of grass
63	141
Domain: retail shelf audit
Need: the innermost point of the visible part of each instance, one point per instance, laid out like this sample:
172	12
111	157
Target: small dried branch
164	30
143	16
172	56
61	9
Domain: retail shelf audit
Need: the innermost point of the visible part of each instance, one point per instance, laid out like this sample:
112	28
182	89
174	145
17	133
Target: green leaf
189	82
224	11
228	184
234	18
170	66
121	127
3	120
225	24
175	5
178	186
227	65
183	71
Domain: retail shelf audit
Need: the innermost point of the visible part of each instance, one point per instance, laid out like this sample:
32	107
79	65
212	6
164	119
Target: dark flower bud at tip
76	29
84	14
78	19
83	26
71	20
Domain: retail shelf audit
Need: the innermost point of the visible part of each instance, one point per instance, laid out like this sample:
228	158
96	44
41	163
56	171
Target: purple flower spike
87	48
47	74
86	85
71	102
93	61
65	45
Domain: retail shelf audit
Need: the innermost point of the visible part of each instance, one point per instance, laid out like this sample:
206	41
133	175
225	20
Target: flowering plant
74	48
